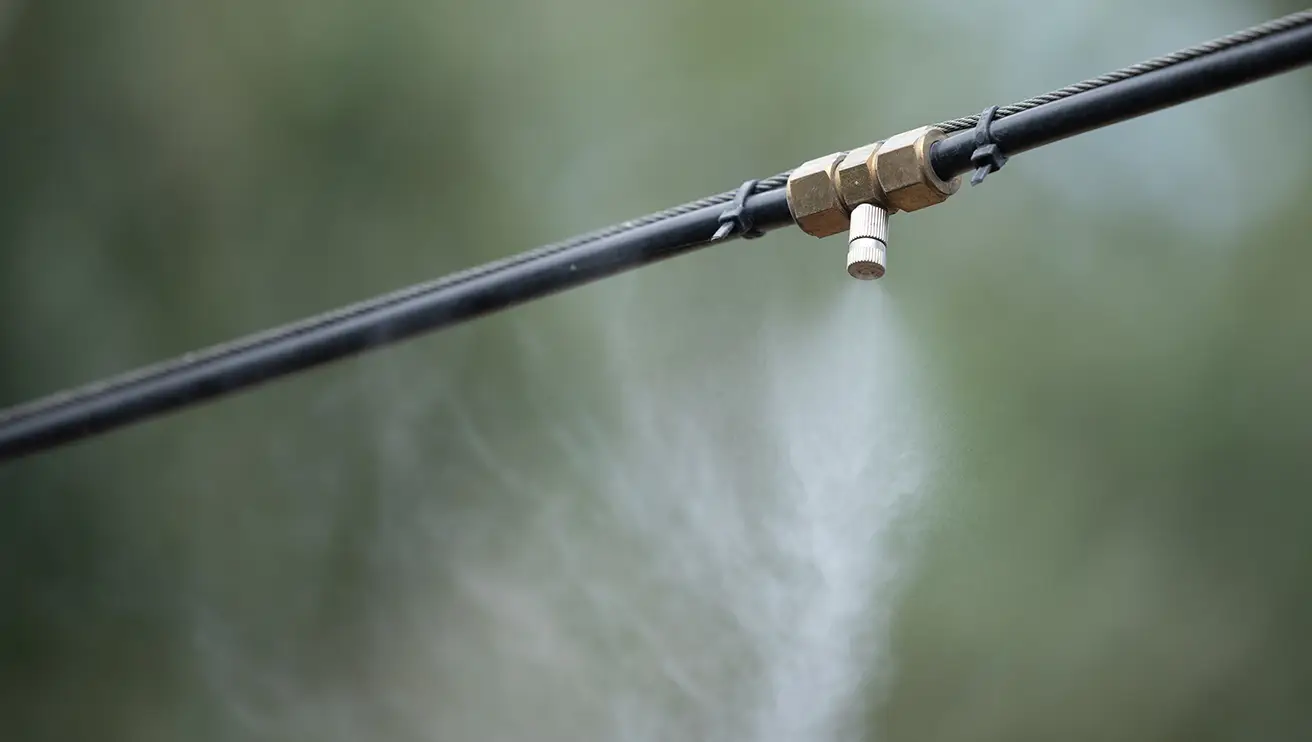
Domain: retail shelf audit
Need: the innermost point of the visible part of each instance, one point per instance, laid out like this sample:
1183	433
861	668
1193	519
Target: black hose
196	378
1218	65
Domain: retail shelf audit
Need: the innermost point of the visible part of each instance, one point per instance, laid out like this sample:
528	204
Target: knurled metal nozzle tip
866	259
867	242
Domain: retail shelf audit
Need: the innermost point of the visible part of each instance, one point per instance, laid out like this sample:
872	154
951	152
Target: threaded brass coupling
904	171
813	196
892	175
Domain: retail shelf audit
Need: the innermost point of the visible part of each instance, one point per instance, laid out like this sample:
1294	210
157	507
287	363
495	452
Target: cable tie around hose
987	157
736	216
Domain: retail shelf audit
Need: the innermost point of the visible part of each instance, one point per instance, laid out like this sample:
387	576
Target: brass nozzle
867	242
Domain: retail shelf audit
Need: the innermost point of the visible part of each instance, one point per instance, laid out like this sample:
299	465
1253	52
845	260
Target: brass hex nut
902	166
813	197
857	182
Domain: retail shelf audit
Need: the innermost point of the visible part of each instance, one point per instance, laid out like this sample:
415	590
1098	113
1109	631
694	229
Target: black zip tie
987	157
736	215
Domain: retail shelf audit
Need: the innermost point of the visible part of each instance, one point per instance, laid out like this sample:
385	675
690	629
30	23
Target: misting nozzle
859	189
867	242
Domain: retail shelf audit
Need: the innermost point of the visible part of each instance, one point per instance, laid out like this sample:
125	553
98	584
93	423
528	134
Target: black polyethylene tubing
202	376
1130	98
1208	68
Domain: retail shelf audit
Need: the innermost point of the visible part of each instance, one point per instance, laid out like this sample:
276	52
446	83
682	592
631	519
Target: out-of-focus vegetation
1048	479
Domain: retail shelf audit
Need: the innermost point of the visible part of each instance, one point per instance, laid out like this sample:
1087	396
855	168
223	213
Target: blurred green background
1049	479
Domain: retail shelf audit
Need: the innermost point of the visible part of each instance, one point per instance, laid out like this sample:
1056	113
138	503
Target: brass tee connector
885	177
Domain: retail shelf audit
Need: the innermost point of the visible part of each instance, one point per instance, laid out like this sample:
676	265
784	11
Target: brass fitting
861	188
857	182
813	197
905	174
